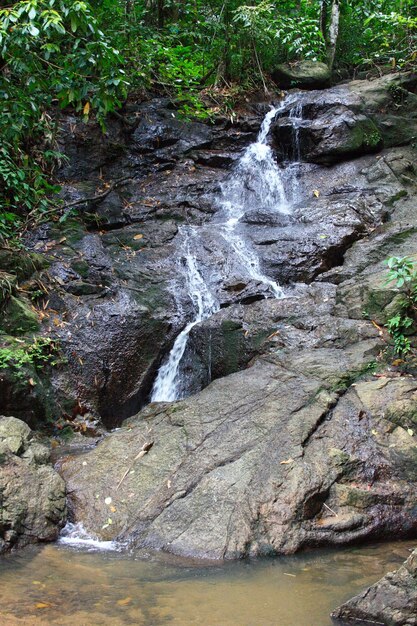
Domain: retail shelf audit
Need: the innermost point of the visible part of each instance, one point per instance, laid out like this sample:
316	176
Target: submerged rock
392	601
32	494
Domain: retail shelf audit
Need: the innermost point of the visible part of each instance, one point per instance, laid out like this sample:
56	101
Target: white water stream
167	383
255	183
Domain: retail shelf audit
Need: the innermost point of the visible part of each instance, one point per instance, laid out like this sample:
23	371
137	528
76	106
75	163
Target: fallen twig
144	450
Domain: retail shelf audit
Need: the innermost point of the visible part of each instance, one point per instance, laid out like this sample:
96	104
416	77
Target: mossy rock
21	263
19	317
82	288
73	230
304	74
25	391
81	267
363	137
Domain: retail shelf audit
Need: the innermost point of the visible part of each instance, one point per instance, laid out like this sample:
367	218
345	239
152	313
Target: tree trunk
333	32
323	17
160	13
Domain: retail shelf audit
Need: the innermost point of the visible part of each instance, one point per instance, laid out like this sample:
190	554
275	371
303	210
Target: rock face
392	601
116	299
288	454
294	443
306	446
32	494
350	120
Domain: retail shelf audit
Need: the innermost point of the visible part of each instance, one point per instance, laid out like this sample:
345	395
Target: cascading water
167	386
255	182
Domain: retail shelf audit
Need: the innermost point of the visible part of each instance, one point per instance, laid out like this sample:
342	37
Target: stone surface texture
32	494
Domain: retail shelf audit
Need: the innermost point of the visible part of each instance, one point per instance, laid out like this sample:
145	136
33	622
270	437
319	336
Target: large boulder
294	452
303	74
32	494
349	120
392	601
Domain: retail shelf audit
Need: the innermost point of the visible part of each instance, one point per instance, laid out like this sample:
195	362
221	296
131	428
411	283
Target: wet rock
32	494
304	74
19	317
336	135
350	120
117	294
295	444
392	601
265	218
269	460
293	452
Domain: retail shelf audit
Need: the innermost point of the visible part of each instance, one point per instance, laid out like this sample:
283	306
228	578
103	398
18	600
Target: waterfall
167	385
255	183
296	117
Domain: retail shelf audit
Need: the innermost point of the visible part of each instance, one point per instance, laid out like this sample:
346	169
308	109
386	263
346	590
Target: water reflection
58	585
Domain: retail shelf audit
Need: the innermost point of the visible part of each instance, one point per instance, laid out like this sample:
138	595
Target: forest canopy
89	56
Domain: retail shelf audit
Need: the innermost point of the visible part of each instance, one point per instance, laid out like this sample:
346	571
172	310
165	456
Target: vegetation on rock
402	272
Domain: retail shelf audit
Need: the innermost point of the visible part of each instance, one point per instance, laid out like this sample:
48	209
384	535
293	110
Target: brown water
60	585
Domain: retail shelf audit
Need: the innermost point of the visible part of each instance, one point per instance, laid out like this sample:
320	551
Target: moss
399	238
81	267
81	288
72	229
152	296
360	499
21	263
19	317
167	217
404	418
344	462
230	326
365	134
377	300
25	390
232	345
401	194
346	380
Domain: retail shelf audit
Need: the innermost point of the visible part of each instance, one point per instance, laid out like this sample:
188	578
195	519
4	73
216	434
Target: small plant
40	352
402	272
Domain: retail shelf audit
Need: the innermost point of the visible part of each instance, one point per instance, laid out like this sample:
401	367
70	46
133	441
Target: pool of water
60	585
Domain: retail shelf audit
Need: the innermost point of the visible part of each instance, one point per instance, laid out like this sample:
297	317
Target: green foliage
51	51
293	36
9	223
85	55
402	272
38	353
376	32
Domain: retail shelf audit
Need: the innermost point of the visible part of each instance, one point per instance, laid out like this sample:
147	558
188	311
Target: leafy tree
51	52
85	55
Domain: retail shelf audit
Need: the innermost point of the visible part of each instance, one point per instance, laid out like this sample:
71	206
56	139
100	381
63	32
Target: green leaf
34	31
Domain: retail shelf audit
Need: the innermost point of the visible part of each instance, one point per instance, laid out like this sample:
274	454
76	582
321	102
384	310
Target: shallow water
60	585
